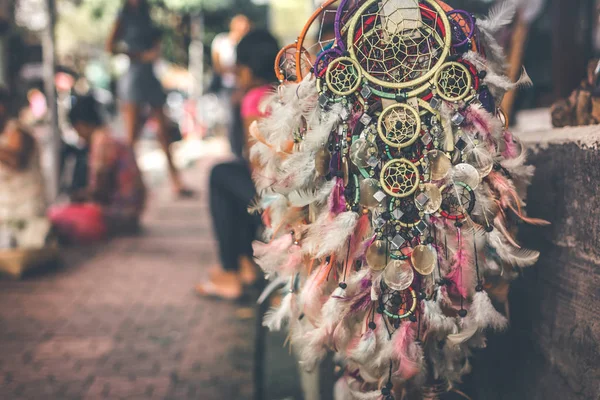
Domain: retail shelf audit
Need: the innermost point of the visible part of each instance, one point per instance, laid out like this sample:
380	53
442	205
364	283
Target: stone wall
552	350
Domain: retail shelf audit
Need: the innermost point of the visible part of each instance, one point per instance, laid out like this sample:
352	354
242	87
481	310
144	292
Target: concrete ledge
586	137
553	348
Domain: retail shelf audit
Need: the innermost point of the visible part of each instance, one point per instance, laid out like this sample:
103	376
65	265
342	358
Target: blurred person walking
224	83
231	186
224	52
135	35
114	198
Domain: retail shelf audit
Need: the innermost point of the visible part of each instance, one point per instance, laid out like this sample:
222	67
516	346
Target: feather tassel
403	339
276	318
436	322
337	201
483	314
365	348
517	257
501	15
330	235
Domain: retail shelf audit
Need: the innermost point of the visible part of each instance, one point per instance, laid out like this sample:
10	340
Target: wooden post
515	62
49	63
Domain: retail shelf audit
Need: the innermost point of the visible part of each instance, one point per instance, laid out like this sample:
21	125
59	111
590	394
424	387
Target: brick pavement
120	321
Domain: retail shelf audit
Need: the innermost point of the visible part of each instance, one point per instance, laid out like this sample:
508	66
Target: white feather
319	131
329	236
374	395
365	349
500	15
342	389
508	253
483	315
462	336
502	82
297	172
313	348
436	322
276	318
302	198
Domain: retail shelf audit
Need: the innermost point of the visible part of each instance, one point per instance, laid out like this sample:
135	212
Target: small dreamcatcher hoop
397	305
403	59
399	178
463	27
453	81
286	68
458	201
399	125
302	38
343	76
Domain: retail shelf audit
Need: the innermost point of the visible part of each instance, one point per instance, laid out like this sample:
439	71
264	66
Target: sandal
210	290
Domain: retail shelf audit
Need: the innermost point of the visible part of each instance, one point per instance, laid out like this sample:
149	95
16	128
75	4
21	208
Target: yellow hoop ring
390	191
383	116
329	74
469	83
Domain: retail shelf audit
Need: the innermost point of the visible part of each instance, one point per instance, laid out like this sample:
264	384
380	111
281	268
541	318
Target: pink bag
79	223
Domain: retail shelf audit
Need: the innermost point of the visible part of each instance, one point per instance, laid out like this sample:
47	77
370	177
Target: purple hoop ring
333	53
467	17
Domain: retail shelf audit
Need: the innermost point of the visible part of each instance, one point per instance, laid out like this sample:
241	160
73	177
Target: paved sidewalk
120	321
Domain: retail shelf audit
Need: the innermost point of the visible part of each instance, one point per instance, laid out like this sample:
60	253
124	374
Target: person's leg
231	191
163	136
131	120
222	208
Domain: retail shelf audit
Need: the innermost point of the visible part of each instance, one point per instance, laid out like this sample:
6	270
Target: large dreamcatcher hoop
343	76
396	51
399	125
399	178
458	201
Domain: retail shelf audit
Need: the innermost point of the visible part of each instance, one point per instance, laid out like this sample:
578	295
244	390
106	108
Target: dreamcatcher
399	193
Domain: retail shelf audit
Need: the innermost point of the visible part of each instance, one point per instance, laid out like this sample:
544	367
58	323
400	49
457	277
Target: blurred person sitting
115	195
231	186
135	35
22	196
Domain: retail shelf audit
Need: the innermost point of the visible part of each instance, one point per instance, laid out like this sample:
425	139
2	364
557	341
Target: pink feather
293	261
279	245
480	120
362	229
403	339
511	151
505	189
509	199
362	251
313	294
337	201
460	277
